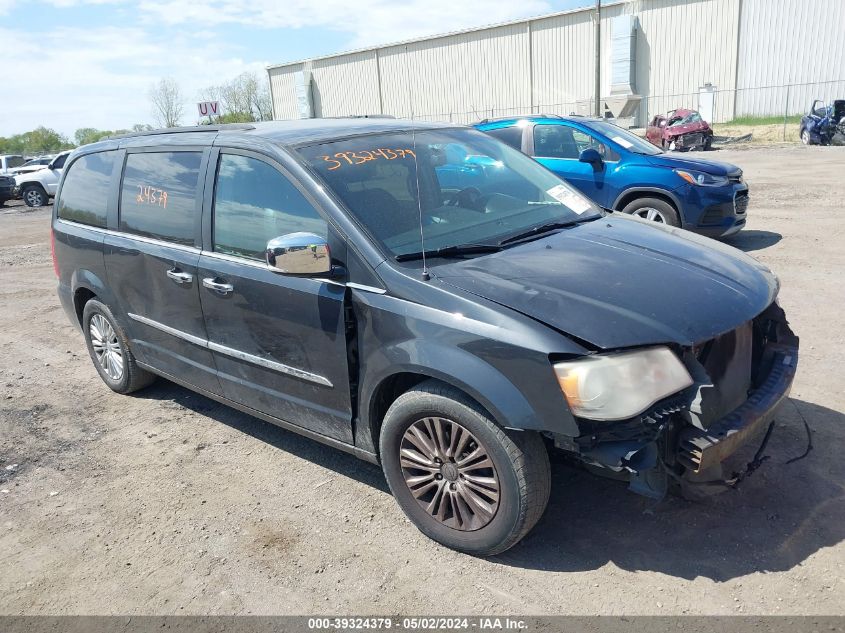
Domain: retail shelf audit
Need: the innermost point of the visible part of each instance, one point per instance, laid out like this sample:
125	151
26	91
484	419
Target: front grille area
690	140
727	360
741	203
712	216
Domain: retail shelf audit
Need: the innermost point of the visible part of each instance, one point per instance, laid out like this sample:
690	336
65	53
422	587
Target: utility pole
598	58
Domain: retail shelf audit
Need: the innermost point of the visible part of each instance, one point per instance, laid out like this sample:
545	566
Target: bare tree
168	102
245	98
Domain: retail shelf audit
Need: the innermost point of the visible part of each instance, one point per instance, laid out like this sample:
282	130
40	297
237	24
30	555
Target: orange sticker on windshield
365	156
151	195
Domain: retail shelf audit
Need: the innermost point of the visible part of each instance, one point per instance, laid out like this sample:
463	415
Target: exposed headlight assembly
701	179
620	386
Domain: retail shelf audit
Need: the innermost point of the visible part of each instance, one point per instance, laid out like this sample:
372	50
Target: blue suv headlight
701	179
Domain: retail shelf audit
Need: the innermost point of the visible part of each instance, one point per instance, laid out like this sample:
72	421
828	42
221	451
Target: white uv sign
208	108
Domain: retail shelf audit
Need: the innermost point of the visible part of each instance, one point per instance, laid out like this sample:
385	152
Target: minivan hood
618	282
698	164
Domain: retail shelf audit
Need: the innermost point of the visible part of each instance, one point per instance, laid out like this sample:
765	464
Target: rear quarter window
511	135
158	195
85	192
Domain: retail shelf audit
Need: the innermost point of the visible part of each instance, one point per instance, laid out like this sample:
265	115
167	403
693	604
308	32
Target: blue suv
621	171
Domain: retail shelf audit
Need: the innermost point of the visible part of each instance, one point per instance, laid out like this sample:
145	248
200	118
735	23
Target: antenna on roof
425	274
408	79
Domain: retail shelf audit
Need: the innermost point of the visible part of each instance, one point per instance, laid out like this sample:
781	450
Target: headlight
702	179
619	386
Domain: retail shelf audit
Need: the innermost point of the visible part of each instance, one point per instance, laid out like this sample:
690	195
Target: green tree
41	140
87	135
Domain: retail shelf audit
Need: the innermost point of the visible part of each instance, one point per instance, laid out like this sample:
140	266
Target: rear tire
109	349
34	196
509	475
805	137
653	209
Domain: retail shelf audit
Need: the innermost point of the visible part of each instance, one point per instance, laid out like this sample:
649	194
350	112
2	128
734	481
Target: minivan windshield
626	139
445	191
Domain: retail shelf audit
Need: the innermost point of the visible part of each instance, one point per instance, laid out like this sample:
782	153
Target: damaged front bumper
700	450
686	438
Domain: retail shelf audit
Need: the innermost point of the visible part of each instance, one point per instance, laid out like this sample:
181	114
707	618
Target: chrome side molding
228	351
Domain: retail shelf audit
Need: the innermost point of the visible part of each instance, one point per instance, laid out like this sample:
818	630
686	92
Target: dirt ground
168	503
770	133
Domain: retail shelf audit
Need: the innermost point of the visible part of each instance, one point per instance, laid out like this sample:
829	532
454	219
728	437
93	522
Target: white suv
37	187
8	162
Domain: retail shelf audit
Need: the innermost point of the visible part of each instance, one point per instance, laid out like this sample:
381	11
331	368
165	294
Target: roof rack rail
361	116
539	115
222	127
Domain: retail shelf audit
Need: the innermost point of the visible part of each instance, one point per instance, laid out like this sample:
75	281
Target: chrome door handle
216	286
179	277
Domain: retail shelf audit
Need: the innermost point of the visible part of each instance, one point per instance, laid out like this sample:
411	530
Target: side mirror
592	156
299	254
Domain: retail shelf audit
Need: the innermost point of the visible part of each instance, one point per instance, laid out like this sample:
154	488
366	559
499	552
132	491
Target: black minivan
340	278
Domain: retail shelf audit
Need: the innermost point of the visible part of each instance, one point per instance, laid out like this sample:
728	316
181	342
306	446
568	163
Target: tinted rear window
511	135
85	192
158	195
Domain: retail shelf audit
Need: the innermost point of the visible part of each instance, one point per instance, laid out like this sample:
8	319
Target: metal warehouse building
727	58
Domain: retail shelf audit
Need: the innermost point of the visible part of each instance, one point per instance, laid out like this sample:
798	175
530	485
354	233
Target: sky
69	64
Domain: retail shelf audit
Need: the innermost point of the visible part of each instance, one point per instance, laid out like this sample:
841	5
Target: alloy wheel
33	198
106	346
650	213
450	473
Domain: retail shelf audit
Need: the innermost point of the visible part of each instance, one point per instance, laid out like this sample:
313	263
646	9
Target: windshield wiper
540	229
451	251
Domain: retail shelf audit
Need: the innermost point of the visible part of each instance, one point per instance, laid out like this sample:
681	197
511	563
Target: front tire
653	209
34	196
108	347
805	137
459	477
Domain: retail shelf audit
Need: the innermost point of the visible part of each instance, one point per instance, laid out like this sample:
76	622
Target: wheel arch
629	195
81	296
479	381
30	183
396	384
87	285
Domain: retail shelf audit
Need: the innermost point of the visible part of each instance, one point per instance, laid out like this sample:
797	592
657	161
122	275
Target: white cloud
100	75
369	22
71	78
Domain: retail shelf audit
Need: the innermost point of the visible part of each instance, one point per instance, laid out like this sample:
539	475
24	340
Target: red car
680	130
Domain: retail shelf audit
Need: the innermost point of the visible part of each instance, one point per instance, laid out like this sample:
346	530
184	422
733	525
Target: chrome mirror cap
299	254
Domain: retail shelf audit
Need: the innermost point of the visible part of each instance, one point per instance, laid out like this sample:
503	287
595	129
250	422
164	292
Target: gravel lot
168	503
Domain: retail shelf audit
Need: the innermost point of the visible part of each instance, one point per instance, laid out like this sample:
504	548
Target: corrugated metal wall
547	64
283	91
683	45
787	42
346	85
563	59
462	73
